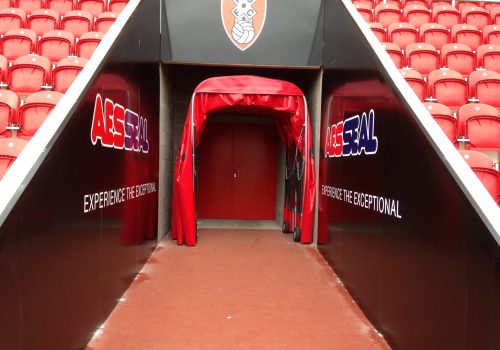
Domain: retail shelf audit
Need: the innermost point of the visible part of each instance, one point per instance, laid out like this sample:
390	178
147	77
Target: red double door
237	171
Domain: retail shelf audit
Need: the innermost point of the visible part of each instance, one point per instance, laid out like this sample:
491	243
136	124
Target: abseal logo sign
116	127
243	20
352	137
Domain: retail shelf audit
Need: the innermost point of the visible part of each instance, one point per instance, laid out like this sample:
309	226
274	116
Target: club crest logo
243	20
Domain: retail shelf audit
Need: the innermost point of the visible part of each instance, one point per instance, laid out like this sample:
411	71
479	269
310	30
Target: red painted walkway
238	289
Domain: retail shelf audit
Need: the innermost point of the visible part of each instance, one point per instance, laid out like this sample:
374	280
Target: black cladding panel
291	35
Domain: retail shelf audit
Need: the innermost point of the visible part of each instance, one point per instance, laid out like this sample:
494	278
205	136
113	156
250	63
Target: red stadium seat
18	42
378	30
458	57
424	3
95	7
395	53
56	44
104	21
396	3
416	82
480	124
488	57
61	6
467	34
475	15
11	18
435	34
28	74
43	20
10	149
488	6
77	22
422	57
434	3
448	87
386	14
118	5
28	5
35	110
66	71
485	86
446	15
402	34
87	44
482	166
4	65
495	15
461	4
365	11
417	15
5	4
9	108
491	34
444	117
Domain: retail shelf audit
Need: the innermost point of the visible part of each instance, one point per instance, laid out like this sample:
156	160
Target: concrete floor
237	289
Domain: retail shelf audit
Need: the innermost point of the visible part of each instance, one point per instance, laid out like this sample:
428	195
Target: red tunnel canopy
251	94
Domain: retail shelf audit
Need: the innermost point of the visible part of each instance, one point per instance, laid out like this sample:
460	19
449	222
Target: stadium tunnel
406	224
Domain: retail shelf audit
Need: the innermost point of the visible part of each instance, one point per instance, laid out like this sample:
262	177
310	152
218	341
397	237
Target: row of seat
403	34
483	167
447	15
475	125
459	57
430	4
54	44
23	120
41	21
449	87
95	7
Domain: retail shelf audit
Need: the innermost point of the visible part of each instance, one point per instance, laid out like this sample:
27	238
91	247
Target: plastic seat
365	11
35	110
29	73
461	4
396	3
446	15
402	34
482	166
4	65
61	6
378	30
43	20
485	86
56	44
104	21
488	6
18	42
386	14
9	108
491	34
417	15
435	34
480	123
475	15
495	15
458	57
416	82
11	18
10	149
444	118
117	6
488	57
369	3
77	22
66	72
5	4
87	44
395	54
28	5
434	3
424	3
467	34
95	7
422	57
448	87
